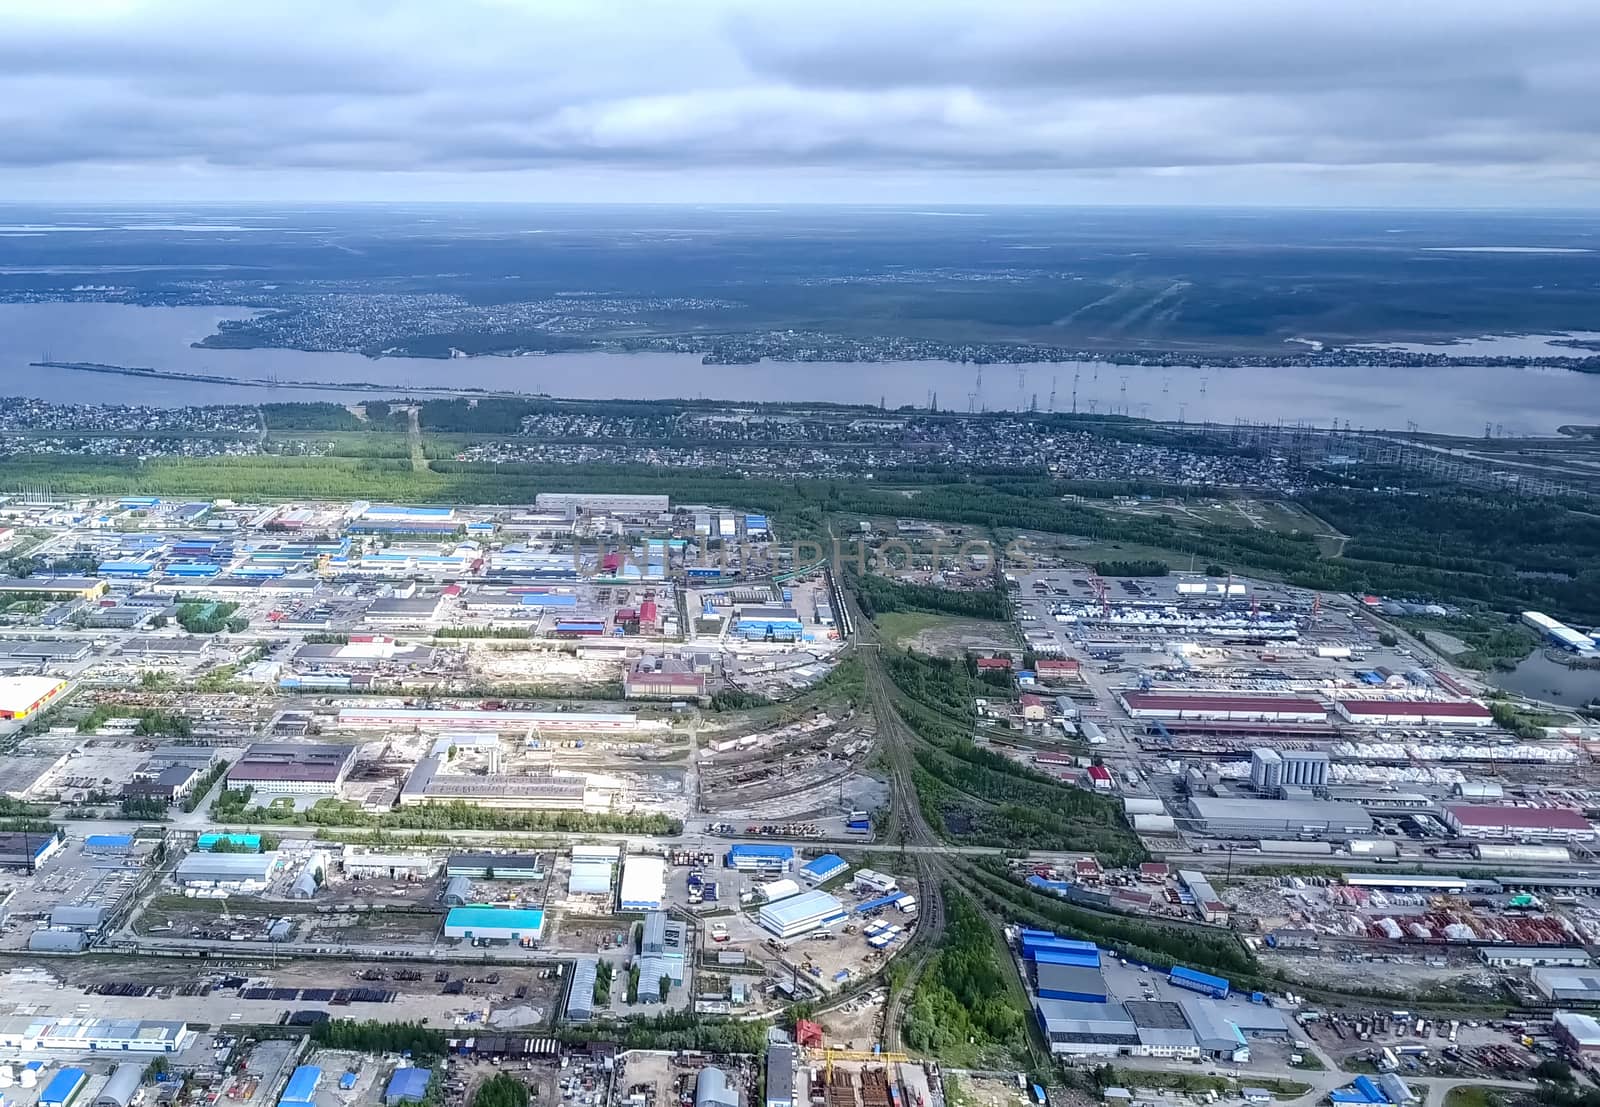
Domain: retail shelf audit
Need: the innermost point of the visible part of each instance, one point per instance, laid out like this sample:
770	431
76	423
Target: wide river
1456	400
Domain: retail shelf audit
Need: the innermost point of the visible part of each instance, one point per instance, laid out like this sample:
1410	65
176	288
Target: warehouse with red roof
1562	824
1222	706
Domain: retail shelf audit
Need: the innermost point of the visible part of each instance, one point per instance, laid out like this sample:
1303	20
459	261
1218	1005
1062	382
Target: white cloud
963	100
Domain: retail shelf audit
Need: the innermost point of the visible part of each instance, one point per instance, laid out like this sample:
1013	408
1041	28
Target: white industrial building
644	883
1546	824
1558	632
590	878
244	871
801	914
26	1033
360	865
1533	956
601	503
1381	712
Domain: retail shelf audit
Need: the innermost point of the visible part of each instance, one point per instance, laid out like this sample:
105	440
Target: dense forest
879	595
965	1006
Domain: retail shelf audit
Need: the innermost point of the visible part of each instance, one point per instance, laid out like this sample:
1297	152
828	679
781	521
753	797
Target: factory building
63	1088
1221	707
27	1033
281	768
226	870
712	1089
1533	957
656	678
21	696
801	914
1413	712
407	1085
644	883
1284	818
494	924
600	503
1272	769
22	849
301	1090
590	878
760	622
780	1077
360	865
824	868
519	722
1567	985
760	857
55	588
1553	824
1075	983
495	866
428	783
1086	1029
1558	633
580	995
1579	1033
457	892
126	1080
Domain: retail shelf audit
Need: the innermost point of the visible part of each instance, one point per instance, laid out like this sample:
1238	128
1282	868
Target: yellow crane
830	1055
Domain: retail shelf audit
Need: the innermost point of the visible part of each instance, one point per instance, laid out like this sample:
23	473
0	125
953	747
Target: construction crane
830	1055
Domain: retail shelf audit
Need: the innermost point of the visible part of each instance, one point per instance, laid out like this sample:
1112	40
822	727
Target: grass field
1468	1096
944	635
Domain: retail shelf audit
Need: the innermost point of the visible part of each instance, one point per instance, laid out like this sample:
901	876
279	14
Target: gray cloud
1496	96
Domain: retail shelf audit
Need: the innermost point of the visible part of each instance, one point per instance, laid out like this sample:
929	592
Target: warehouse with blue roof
63	1088
407	1085
826	867
495	924
301	1090
760	856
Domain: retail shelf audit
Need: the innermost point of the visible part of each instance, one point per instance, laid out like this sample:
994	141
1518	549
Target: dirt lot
945	636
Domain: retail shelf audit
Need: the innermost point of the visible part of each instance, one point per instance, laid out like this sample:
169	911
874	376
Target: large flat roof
1420	708
1190	701
22	692
1533	818
806	905
292	761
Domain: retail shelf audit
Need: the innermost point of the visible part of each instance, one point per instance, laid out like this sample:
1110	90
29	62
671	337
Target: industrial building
1413	712
1559	633
780	1076
119	1091
495	924
301	1090
22	849
63	1088
1222	707
801	914
1077	983
590	878
1086	1029
292	768
518	722
407	1085
580	994
226	870
644	883
1533	956
21	696
600	503
1567	985
712	1089
821	869
1555	824
457	892
1272	769
429	783
1579	1033
660	678
1256	818
55	588
1163	1031
27	1033
495	866
361	865
760	857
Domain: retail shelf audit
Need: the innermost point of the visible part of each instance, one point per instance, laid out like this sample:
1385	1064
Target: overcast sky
1329	102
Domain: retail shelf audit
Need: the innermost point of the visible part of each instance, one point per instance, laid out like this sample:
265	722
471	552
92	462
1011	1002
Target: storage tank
29	1078
1143	805
6	1076
1549	855
1374	847
1154	824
